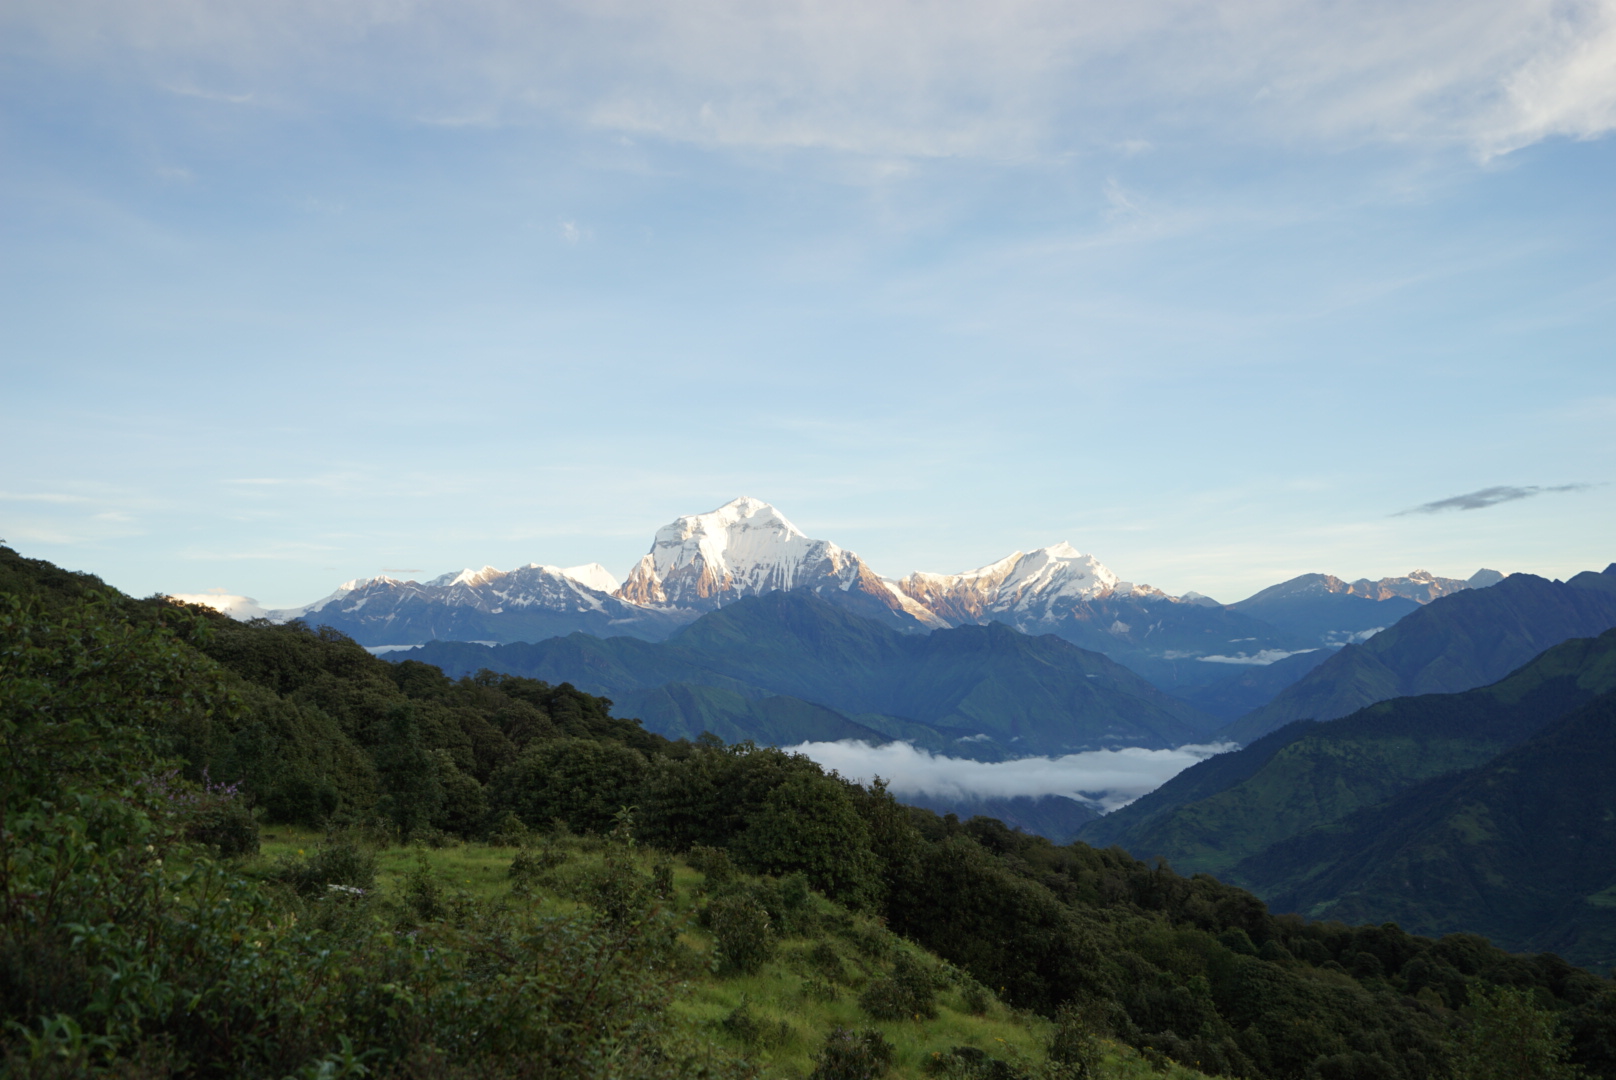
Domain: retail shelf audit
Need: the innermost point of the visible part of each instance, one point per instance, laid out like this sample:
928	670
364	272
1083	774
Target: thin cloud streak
947	79
1491	496
1105	778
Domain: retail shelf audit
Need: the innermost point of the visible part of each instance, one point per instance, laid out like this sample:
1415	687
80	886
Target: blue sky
293	293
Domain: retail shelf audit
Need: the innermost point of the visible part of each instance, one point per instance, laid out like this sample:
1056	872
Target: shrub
827	962
619	892
533	867
746	1027
742	940
970	1063
209	813
510	831
228	828
714	866
849	1055
424	895
1073	1042
662	880
908	993
336	861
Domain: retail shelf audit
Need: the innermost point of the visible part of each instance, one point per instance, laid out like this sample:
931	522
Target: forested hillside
789	667
1234	806
146	744
1522	848
1468	639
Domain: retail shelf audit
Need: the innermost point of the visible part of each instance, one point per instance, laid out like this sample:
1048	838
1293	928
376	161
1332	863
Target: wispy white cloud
899	77
1107	778
1119	201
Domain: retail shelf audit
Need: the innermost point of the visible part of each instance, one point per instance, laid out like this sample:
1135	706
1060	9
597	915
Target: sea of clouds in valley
1106	778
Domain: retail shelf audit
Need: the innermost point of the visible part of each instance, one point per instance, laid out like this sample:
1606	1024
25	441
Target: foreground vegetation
451	884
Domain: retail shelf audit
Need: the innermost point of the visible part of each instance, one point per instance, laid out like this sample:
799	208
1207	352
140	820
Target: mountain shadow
1235	806
1521	849
1454	643
1252	686
1029	695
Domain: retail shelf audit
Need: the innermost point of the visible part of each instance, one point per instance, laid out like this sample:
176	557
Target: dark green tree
412	792
809	824
1510	1037
581	781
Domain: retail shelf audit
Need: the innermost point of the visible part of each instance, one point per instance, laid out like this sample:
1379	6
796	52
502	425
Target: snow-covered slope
702	562
1031	586
526	604
746	548
1059	590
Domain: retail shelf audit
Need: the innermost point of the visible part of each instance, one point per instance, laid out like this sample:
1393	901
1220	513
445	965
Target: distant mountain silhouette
1234	806
988	692
1521	849
1454	643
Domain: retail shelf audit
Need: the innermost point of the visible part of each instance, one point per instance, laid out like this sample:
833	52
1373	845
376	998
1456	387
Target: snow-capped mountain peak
593	576
739	536
746	548
467	577
742	548
1020	583
1057	570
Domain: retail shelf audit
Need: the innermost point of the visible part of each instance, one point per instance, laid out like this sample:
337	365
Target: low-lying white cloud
1261	658
237	607
1106	778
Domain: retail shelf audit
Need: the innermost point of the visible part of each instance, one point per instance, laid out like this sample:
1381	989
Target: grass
780	1016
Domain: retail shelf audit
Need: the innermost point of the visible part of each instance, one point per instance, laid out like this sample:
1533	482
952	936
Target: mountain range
1449	772
1456	642
787	667
746	548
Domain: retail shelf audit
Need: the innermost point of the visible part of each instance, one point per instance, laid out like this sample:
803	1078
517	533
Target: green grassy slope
1232	807
1457	642
822	961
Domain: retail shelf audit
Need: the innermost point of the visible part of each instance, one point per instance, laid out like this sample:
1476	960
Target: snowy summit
746	548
